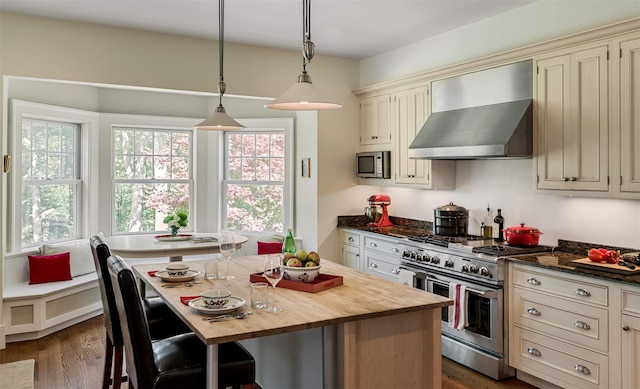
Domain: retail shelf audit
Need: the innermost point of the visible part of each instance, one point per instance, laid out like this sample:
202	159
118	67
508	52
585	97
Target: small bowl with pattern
177	269
215	298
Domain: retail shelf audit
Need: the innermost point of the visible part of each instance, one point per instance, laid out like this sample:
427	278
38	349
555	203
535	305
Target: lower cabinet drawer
575	288
350	238
631	302
581	324
377	264
557	362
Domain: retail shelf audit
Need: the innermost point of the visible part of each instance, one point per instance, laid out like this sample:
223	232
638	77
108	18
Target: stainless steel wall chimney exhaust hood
486	114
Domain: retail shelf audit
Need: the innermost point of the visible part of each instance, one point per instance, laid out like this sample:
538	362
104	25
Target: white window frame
112	121
89	124
281	124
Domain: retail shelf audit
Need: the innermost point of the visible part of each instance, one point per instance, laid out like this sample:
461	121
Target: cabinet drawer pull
582	369
373	265
395	250
395	271
582	292
625	328
533	281
351	239
534	351
373	244
534	312
581	325
357	255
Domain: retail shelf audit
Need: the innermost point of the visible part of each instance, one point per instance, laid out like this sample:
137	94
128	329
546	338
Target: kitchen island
375	333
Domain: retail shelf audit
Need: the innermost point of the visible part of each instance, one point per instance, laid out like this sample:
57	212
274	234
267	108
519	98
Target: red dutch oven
522	235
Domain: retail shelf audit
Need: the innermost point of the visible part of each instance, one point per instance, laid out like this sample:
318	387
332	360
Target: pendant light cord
221	85
307	45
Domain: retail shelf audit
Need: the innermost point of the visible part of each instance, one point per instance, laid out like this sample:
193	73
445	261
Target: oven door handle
490	294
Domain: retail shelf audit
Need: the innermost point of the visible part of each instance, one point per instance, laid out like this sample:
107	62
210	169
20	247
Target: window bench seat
34	311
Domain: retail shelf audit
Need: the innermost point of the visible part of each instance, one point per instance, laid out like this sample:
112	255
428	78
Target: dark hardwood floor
73	359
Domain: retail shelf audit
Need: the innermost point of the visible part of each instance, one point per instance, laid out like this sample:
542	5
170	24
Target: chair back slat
101	253
133	322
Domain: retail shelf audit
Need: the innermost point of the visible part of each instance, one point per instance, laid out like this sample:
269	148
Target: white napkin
458	312
406	277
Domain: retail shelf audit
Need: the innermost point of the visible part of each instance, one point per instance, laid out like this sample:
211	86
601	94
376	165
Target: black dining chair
162	321
175	362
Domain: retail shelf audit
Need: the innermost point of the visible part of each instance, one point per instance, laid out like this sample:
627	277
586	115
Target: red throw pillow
49	268
269	248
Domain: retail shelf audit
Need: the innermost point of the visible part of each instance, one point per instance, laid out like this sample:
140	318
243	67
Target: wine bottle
289	245
499	220
487	227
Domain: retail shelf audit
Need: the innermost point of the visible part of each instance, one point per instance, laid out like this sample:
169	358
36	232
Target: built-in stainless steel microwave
374	164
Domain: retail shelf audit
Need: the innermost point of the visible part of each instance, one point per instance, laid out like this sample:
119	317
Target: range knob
448	263
413	255
419	257
435	260
484	271
406	254
465	268
473	268
426	257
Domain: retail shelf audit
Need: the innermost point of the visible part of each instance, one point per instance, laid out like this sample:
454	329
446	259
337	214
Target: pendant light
219	120
303	96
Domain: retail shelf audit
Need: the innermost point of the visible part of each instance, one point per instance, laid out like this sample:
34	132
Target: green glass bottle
289	245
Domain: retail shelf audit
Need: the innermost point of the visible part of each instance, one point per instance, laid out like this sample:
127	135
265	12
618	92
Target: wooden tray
322	282
608	267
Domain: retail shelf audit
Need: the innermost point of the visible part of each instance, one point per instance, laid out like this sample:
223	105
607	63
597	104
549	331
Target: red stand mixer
376	212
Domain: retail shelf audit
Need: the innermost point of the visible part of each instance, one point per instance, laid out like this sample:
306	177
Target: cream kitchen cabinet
411	108
375	120
352	249
559	327
382	257
629	52
573	120
630	347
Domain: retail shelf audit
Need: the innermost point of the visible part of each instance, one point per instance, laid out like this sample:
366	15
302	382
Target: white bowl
301	274
177	270
215	298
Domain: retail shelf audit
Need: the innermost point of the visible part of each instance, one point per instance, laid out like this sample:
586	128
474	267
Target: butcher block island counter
375	333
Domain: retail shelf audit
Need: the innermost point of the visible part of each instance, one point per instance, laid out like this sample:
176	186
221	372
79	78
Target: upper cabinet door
375	121
553	121
411	110
573	120
630	115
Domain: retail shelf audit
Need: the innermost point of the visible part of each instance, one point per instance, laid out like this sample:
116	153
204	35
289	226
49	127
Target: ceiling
354	29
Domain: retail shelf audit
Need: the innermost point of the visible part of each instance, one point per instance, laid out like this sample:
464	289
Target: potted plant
176	220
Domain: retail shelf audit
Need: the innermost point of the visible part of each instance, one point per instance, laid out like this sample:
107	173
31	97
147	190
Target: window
48	182
152	177
257	179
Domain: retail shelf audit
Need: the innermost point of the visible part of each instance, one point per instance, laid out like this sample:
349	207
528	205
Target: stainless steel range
476	263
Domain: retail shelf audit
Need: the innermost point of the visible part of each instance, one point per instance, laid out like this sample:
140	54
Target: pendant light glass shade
303	96
219	120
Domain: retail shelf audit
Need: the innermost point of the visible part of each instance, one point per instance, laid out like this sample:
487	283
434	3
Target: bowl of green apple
301	266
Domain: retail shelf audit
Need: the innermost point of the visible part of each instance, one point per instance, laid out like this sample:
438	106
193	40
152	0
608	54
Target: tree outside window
50	181
254	180
152	177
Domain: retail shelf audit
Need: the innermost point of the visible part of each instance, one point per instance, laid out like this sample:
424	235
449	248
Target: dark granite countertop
401	227
560	259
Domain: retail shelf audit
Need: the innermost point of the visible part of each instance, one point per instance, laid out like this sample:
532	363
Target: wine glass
273	271
227	248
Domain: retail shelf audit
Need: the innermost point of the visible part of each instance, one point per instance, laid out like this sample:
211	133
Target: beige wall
53	49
